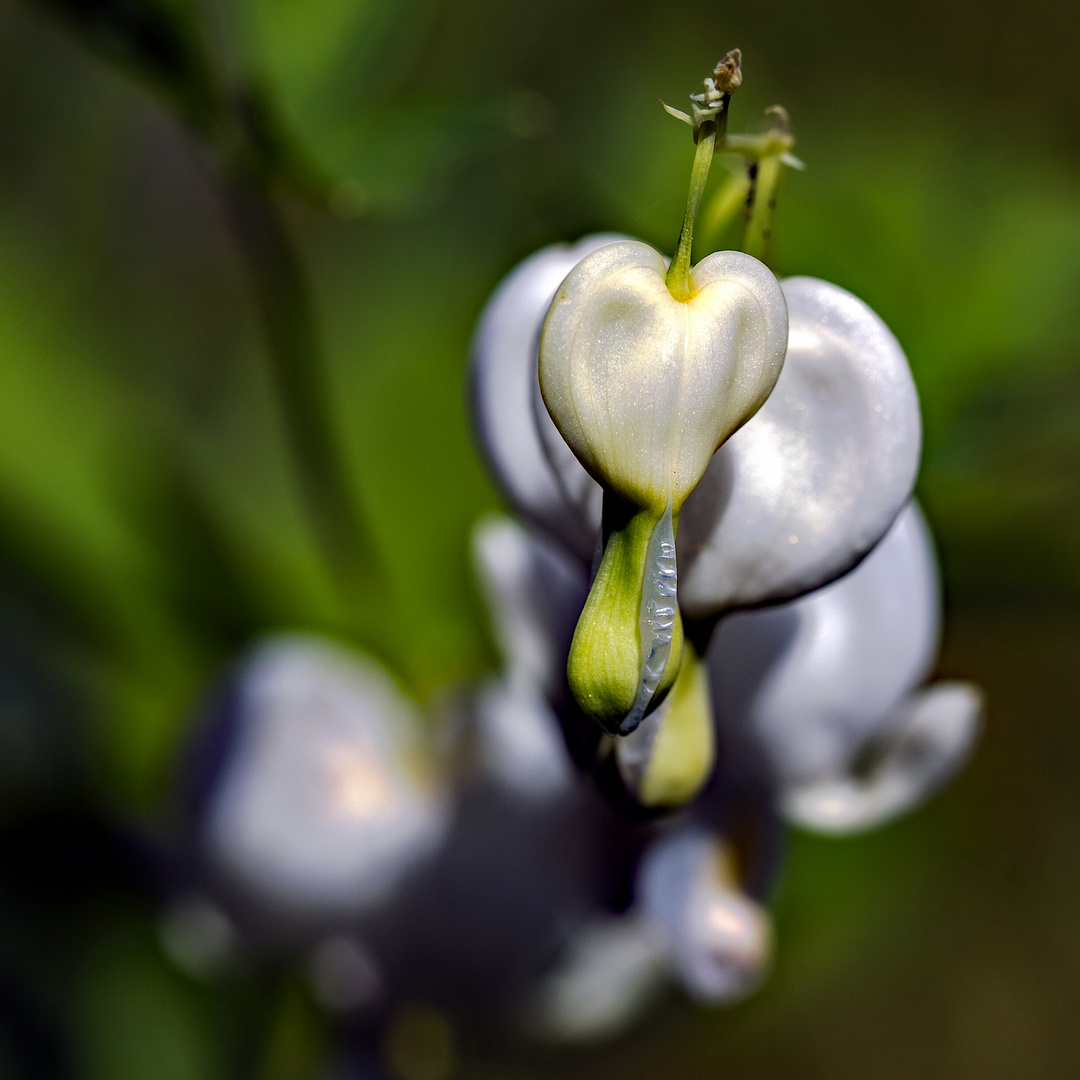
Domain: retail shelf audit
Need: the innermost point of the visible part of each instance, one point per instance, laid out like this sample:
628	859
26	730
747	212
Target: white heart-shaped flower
841	429
826	687
644	380
644	387
718	939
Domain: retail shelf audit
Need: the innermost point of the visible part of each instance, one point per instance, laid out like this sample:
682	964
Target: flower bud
668	759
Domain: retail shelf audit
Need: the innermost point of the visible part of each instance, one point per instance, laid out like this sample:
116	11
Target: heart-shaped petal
825	681
644	387
801	493
535	469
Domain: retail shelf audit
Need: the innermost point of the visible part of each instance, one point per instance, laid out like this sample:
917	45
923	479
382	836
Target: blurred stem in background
755	187
297	367
186	56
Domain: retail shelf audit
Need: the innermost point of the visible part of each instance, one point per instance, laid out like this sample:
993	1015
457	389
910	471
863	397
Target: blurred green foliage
152	515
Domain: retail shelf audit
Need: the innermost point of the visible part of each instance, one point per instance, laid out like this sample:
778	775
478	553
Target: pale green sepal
656	618
605	664
669	758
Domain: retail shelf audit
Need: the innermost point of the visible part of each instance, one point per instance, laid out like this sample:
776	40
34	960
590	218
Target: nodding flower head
726	76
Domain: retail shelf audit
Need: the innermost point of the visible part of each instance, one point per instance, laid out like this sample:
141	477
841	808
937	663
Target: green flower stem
678	275
297	367
763	202
605	661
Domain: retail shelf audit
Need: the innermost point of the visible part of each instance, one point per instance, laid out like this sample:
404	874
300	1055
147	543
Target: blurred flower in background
243	247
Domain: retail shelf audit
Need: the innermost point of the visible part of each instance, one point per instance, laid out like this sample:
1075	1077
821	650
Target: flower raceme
606	386
644	387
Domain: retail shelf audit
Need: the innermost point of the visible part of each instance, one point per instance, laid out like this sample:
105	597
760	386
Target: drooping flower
644	385
826	689
829	459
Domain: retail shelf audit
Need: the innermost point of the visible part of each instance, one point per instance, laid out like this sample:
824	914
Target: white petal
806	488
644	387
516	437
718	939
817	678
324	804
610	973
927	741
534	595
521	742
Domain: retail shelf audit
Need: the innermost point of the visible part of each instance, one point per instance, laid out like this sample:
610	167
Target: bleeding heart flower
643	384
829	459
327	797
827	688
718	939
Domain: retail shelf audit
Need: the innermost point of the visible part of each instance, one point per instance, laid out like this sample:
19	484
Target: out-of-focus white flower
828	686
928	739
612	970
644	387
718	939
327	798
534	467
534	595
690	924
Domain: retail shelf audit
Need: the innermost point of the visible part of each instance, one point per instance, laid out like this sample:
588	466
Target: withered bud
727	75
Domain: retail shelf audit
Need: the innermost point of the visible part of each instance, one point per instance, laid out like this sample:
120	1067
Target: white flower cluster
769	440
807	576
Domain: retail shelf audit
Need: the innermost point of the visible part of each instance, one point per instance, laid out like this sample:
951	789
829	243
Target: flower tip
727	75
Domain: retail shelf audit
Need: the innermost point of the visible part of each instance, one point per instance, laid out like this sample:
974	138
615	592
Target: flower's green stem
678	275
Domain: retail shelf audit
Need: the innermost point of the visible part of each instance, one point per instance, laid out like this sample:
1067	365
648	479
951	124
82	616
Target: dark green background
151	522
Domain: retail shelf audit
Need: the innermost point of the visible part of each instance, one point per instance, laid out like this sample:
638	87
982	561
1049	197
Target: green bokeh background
152	522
